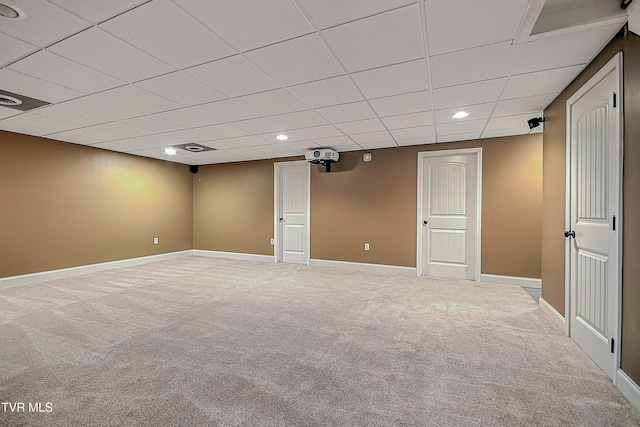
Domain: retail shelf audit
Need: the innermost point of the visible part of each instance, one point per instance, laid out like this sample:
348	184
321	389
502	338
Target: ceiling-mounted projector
322	156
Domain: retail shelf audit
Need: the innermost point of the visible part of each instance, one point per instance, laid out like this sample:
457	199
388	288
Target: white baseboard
527	282
552	314
27	279
233	255
361	266
628	388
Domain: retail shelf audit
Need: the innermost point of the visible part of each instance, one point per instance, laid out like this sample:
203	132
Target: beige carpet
199	341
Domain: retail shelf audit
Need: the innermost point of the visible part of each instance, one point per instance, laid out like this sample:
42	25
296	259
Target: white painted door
292	218
449	228
593	234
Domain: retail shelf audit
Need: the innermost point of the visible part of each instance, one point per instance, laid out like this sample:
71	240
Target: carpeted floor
198	342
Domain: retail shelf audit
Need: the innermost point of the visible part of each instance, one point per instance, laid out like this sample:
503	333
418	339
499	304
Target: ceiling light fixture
460	115
170	151
282	137
9	101
7	10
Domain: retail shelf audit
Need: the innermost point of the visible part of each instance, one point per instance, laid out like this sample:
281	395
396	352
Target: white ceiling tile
275	149
277	101
347	112
65	114
468	94
393	80
300	119
138	99
98	134
372	137
248	24
123	130
73	137
166	32
530	104
296	61
476	64
190	135
56	69
511	122
327	13
35	88
187	117
301	146
227	111
26	129
351	147
319	132
44	23
424	118
292	136
259	125
497	133
233	76
334	141
151	141
476	23
12	48
461	127
402	104
541	82
361	126
222	131
574	48
8	112
181	88
322	93
101	51
95	11
459	137
377	145
101	108
479	111
379	40
417	141
220	144
153	123
242	151
53	125
424	132
249	141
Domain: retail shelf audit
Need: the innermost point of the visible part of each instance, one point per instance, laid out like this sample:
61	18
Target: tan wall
376	203
65	205
554	197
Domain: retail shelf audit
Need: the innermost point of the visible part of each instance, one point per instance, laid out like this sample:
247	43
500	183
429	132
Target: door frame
419	233
277	166
615	64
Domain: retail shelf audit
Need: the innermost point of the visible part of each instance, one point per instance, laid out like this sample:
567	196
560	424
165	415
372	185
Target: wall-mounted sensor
366	157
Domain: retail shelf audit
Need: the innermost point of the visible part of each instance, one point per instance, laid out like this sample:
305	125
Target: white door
292	212
449	212
594	182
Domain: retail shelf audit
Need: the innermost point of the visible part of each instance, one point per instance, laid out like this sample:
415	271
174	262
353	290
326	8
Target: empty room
319	212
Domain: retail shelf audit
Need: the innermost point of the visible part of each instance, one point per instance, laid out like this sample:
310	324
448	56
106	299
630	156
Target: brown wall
65	205
376	203
554	196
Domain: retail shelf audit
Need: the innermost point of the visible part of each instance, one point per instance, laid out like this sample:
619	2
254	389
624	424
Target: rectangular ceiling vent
546	18
194	148
19	102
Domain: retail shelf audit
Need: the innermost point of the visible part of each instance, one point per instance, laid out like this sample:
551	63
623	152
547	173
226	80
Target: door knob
570	233
424	223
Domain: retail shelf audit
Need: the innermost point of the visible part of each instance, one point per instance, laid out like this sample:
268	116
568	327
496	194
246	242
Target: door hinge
612	344
615	100
614	223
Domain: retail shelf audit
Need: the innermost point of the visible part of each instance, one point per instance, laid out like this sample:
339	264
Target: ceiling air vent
194	148
19	102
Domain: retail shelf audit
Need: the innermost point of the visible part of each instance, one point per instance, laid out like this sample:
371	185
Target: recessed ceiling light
170	151
460	115
282	137
9	101
7	10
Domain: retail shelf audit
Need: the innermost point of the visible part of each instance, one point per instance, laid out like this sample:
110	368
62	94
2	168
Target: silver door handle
281	219
424	223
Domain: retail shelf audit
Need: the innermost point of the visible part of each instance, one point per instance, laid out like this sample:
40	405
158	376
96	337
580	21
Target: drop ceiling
140	76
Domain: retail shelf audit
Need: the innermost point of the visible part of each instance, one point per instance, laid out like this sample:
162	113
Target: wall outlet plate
366	246
155	240
273	241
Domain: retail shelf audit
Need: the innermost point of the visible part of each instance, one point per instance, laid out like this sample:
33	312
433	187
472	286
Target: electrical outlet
155	240
273	241
366	246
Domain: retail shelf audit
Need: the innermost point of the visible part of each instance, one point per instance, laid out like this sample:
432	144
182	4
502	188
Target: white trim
233	255
361	266
276	207
63	273
443	153
527	282
628	388
552	314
